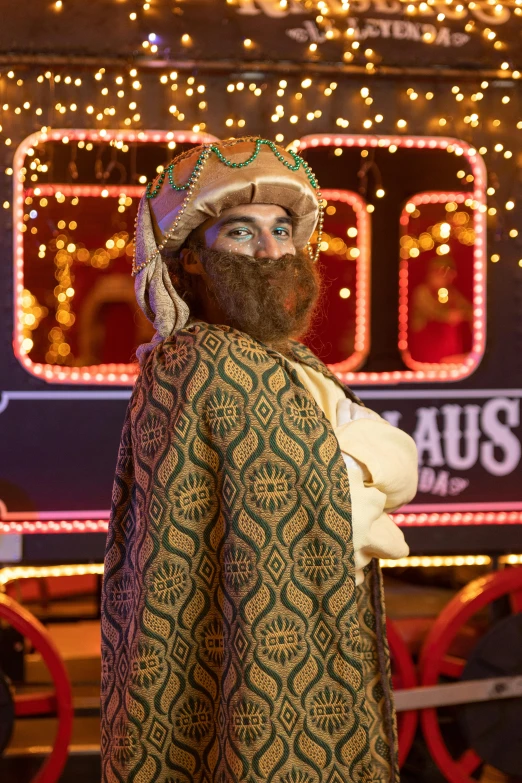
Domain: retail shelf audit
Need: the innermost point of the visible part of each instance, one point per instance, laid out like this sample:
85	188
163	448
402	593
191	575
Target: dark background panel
103	28
59	455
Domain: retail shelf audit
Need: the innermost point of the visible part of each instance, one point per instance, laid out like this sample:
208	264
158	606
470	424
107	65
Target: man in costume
243	633
441	316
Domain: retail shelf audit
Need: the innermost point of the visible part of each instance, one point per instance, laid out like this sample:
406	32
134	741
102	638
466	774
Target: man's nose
267	246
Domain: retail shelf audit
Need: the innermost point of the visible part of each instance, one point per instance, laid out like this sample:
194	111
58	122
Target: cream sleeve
374	532
381	462
387	455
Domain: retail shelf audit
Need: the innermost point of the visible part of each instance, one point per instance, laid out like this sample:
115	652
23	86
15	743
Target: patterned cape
235	646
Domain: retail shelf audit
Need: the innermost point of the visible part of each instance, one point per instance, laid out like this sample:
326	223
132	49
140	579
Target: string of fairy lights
483	111
481	19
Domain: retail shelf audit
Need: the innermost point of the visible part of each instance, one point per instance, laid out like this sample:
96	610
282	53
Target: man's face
254	279
257	230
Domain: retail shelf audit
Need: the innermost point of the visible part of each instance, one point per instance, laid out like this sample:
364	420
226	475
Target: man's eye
282	232
239	232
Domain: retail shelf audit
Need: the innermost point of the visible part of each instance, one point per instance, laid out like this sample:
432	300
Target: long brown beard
270	299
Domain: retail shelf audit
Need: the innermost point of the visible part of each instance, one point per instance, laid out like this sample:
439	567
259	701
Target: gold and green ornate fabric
235	646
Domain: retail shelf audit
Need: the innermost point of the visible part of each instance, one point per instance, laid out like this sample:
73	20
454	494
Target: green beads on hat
151	191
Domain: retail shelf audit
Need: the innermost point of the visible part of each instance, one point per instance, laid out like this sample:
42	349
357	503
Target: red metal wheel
443	657
57	702
403	676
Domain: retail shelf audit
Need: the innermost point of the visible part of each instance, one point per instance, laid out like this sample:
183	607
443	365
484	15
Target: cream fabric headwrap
155	293
217	177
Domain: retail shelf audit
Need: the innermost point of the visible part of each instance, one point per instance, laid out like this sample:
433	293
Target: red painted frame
35	704
474	597
447	372
476	163
117	374
362	286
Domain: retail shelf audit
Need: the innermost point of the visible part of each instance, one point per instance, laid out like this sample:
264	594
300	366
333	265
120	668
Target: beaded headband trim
208	149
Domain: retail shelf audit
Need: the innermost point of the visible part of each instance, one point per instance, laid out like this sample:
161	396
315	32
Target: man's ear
191	262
